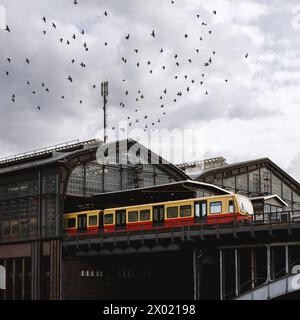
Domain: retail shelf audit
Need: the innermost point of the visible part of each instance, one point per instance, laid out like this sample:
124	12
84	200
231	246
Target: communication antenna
104	94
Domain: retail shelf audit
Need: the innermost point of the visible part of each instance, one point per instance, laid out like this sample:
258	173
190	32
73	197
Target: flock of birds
138	97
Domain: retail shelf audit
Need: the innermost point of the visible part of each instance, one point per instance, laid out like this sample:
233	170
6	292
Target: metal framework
104	94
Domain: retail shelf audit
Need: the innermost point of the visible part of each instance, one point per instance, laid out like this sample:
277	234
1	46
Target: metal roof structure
45	155
206	163
194	169
235	168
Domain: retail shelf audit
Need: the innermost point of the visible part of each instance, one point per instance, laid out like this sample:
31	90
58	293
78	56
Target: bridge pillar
237	271
196	274
253	268
268	263
221	261
36	262
287	260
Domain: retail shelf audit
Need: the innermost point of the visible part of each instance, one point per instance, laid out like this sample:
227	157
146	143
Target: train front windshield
245	205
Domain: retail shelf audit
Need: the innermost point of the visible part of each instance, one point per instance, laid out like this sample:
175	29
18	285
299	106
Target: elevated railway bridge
242	260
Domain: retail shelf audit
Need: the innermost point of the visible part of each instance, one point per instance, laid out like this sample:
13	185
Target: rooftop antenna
104	94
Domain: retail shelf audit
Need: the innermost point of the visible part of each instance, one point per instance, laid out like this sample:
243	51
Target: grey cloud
243	98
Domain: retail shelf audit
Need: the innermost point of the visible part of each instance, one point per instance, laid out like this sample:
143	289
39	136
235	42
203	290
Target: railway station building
37	188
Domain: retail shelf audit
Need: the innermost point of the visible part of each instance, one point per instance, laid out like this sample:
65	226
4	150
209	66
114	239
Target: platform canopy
159	193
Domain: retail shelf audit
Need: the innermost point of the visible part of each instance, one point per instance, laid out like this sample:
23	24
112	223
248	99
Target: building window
229	183
112	179
265	176
76	182
94	179
216	207
254	183
172	212
128	179
242	184
185	211
276	186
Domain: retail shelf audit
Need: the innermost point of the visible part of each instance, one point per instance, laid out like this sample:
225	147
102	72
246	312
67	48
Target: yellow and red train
209	210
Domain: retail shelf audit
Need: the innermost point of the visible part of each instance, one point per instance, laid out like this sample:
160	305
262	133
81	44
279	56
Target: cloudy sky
254	114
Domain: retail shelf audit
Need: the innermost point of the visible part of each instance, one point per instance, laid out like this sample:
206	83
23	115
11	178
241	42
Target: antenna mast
104	94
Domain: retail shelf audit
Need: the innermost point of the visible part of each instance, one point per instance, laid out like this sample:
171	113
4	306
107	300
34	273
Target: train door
158	215
200	209
82	223
101	223
120	219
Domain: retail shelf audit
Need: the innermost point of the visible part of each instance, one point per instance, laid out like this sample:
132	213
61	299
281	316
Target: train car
222	209
83	222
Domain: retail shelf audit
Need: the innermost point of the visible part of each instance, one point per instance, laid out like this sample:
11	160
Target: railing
276	276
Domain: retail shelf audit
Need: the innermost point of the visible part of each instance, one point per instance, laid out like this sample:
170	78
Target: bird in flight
7	29
153	34
44	19
27	60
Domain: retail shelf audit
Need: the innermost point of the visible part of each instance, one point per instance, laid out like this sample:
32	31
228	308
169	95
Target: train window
185	211
133	216
230	206
109	218
71	223
172	212
145	215
93	221
216	207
